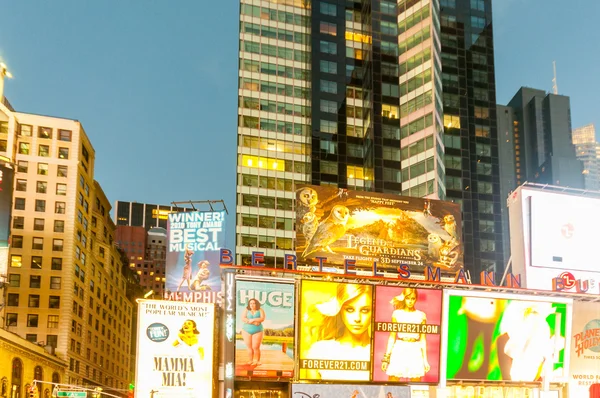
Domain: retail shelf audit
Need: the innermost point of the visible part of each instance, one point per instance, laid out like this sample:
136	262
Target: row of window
41	187
278	126
274	15
275	51
267	202
274	69
281	223
43	150
274	88
26	130
273	145
413	19
267	242
42	168
38	225
35	282
274	33
281	184
16	260
282	108
40	205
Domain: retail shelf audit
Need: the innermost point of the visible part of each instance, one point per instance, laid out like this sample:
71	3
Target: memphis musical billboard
365	227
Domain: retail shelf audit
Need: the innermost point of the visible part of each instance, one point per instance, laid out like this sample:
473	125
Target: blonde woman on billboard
201	276
187	268
406	353
252	330
188	337
340	329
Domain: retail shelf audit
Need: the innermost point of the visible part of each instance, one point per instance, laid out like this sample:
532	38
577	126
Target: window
390	90
59	226
45	132
24	148
16	261
482	131
389	111
32	319
22	166
40	205
328	67
34	301
25	130
478	5
12	319
17	241
63	153
35	281
44	151
328	28
41	187
21	185
64	135
388	8
60	207
328	87
13	300
57	245
328	47
484	187
482	113
14	280
52	323
61	189
36	262
329	167
453	183
327	126
487	245
486	206
483	149
56	263
62	171
18	222
453	162
486	226
329	106
54	302
484	168
479	59
328	9
19	203
42	169
55	282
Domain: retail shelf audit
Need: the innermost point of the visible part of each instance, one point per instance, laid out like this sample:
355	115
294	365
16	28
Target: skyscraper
587	149
349	93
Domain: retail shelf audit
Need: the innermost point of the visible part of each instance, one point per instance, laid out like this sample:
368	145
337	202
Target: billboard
407	334
6	194
371	227
192	264
264	329
349	391
175	349
554	250
506	338
335	331
585	348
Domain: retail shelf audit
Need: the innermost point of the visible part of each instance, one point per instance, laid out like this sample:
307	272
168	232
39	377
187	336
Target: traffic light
32	392
131	392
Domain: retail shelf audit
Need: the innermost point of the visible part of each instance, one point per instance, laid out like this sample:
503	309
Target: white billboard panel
175	349
552	239
585	348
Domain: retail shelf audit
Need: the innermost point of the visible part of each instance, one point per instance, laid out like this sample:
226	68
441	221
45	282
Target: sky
154	82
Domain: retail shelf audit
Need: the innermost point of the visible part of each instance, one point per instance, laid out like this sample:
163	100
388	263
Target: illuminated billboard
553	237
506	338
349	391
407	334
335	331
192	266
6	194
372	227
585	348
175	349
264	329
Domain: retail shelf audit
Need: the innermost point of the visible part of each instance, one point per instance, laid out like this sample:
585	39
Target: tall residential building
351	94
66	284
535	145
587	149
145	215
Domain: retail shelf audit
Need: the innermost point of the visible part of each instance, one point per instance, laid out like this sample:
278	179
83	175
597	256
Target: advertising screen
371	227
264	330
506	339
175	349
335	331
349	391
6	194
585	348
194	240
407	334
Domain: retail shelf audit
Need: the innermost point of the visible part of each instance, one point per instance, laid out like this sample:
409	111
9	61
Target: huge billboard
506	338
349	391
192	264
335	331
264	329
585	348
369	227
553	237
175	349
407	334
6	194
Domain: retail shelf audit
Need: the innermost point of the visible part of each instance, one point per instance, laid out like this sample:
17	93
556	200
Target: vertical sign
585	348
229	309
192	270
6	193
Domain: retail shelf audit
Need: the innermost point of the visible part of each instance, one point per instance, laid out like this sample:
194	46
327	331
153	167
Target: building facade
65	283
587	149
352	94
145	215
535	145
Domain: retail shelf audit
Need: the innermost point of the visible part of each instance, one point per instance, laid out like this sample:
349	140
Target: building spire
554	83
3	73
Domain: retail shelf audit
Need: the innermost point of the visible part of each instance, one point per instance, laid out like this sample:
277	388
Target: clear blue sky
154	82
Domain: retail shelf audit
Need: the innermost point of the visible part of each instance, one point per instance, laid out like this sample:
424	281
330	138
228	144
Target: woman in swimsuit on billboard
252	330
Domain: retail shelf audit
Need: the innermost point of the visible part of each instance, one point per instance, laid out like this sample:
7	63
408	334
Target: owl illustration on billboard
307	202
310	223
329	231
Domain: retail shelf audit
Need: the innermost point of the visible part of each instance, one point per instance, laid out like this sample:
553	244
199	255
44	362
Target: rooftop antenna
554	84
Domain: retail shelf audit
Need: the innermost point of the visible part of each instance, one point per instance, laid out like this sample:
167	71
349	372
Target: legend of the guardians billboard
365	227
